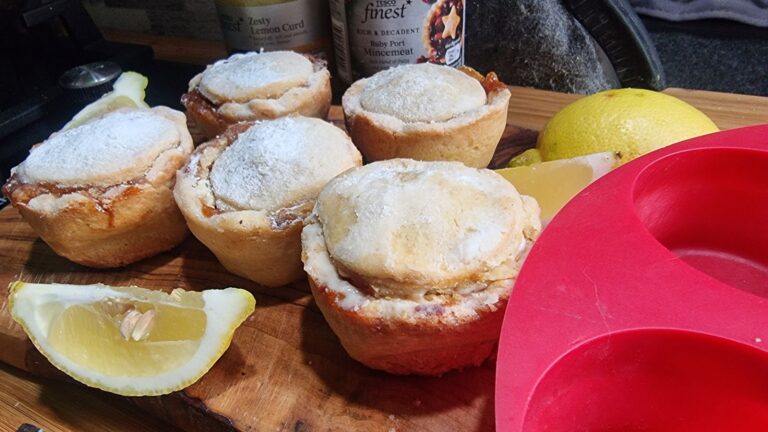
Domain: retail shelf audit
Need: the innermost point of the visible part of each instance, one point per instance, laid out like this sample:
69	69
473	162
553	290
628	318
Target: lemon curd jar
271	25
372	35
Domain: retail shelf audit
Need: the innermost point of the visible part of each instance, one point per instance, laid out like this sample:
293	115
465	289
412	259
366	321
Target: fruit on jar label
373	35
299	25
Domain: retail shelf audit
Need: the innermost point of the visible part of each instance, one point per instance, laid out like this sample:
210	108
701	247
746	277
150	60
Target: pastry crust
101	196
403	347
235	90
245	193
467	133
412	263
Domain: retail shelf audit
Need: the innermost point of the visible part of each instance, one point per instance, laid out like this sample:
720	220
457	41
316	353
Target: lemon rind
226	310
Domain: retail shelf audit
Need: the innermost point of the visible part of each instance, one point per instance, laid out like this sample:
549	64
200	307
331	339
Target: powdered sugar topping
422	93
422	221
278	164
105	151
243	77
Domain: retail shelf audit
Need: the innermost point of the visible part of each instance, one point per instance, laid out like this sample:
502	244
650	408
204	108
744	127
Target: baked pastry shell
471	137
141	223
141	218
245	242
266	256
404	336
403	347
211	120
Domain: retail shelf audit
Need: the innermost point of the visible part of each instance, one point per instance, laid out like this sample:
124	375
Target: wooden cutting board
286	370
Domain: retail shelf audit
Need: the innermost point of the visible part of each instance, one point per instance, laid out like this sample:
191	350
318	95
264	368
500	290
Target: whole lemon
630	121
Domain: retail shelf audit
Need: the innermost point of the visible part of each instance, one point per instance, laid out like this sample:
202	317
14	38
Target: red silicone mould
644	304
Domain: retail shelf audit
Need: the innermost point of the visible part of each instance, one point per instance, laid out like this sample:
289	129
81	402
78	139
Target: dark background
717	55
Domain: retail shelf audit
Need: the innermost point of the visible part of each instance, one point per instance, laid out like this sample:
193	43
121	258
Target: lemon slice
128	340
554	183
528	157
127	92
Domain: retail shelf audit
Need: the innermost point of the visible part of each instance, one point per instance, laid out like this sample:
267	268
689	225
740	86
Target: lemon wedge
554	183
127	92
528	157
128	340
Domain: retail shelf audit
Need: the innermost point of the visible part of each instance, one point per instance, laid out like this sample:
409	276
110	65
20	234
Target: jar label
295	25
373	35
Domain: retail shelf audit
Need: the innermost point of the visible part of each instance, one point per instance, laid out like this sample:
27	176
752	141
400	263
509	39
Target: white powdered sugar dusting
120	144
280	163
422	219
243	77
422	93
318	264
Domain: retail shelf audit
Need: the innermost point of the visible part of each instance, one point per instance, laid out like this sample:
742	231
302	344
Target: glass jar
373	35
270	25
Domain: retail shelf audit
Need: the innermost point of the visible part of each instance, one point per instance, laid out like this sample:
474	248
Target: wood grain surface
531	108
60	407
285	369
